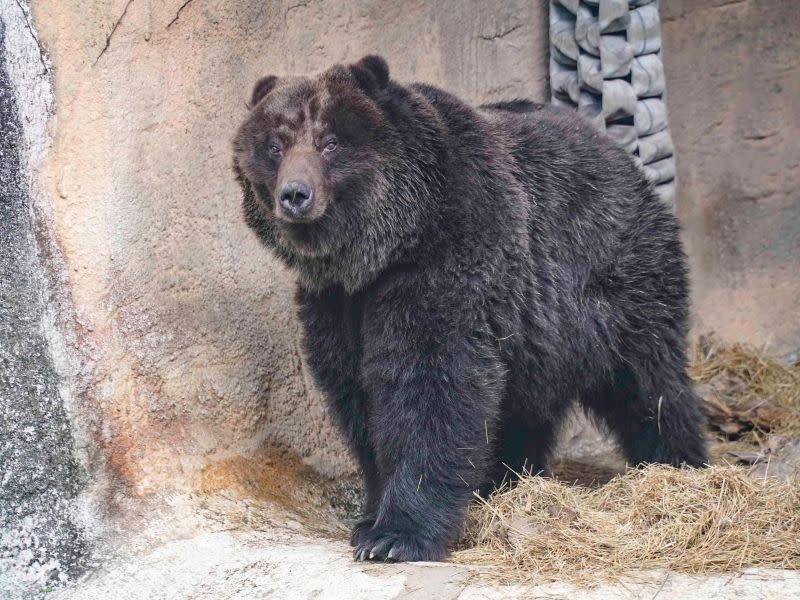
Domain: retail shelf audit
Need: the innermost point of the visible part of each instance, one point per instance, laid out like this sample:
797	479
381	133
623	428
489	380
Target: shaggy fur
473	273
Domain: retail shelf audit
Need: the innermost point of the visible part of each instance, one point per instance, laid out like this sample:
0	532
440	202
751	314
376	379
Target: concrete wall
733	83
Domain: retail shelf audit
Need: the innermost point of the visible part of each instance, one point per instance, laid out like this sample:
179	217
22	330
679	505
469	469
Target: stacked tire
605	61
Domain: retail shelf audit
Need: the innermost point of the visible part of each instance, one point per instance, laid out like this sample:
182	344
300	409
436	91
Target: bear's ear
263	87
371	72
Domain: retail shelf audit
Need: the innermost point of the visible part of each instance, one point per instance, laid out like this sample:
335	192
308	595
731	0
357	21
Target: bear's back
583	188
589	209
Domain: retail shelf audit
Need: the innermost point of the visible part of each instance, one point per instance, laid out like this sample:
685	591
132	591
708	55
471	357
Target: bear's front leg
434	386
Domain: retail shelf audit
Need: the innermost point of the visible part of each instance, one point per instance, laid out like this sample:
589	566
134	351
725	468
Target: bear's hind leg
653	413
524	446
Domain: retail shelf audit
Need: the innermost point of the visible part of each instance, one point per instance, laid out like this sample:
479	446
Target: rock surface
162	333
40	477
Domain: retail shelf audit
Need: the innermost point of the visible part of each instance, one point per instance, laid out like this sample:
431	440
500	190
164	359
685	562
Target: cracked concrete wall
733	79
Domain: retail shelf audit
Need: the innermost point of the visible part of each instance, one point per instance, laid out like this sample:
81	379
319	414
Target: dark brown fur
467	275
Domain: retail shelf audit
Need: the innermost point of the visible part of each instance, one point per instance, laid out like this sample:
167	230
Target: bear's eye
274	149
330	145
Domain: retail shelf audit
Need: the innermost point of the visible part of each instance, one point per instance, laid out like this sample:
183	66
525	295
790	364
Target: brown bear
465	276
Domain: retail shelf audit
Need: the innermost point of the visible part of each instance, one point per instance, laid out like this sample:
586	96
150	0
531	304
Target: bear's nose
296	197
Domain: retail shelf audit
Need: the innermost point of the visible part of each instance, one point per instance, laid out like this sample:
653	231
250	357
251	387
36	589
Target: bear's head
333	169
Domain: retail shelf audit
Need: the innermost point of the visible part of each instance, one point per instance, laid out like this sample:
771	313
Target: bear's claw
360	529
378	544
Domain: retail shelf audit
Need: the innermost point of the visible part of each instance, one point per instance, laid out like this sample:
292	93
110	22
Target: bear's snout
296	199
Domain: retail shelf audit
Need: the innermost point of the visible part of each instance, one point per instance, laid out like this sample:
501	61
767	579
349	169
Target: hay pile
722	518
695	521
738	381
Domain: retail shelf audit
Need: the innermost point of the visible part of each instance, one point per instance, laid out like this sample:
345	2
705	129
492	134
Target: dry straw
688	520
695	521
764	377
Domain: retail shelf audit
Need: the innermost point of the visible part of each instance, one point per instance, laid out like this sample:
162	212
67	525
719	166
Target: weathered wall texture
40	475
189	322
733	82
